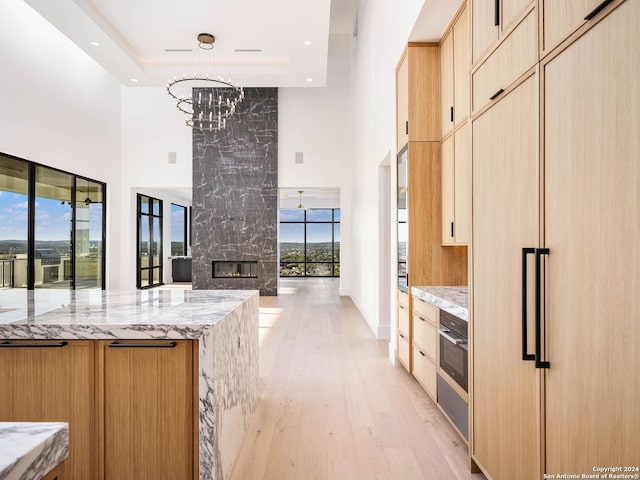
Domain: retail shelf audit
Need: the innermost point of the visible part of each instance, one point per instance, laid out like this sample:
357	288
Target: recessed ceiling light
134	80
309	80
95	44
307	42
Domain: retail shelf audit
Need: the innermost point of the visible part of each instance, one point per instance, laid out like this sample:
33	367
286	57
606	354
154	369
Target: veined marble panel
235	195
454	300
28	451
225	323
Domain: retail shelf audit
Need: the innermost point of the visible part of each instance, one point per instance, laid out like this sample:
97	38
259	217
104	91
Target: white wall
383	31
151	128
318	122
59	108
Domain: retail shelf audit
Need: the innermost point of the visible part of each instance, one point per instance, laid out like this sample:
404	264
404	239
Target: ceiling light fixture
307	43
207	102
134	80
300	192
95	44
309	80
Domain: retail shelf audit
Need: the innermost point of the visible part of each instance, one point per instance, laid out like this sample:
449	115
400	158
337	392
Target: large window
51	227
178	230
149	242
310	243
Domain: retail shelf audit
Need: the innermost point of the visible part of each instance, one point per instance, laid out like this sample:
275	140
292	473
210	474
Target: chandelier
207	102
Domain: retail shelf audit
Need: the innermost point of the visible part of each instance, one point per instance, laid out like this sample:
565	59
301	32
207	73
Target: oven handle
444	332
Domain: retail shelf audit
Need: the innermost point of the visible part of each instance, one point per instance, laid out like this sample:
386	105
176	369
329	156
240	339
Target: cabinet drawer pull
33	345
402	306
496	13
421	353
525	355
402	336
452	114
142	345
497	94
597	10
406	127
452	230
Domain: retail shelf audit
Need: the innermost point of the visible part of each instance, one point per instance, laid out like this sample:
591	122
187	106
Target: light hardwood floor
332	406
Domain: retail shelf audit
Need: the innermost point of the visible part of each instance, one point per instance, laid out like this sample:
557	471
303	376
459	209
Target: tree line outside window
310	242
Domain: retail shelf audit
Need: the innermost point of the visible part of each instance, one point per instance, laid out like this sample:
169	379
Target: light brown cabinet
427	261
491	21
456	188
425	345
57	473
145	399
591	227
417	94
454	72
53	381
512	58
505	219
129	404
561	19
555	186
404	329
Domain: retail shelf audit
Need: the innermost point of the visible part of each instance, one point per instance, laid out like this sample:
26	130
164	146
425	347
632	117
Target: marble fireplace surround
235	195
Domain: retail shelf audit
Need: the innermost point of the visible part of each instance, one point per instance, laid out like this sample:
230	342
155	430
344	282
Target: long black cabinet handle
406	127
421	353
539	362
497	94
597	10
452	114
142	345
452	230
496	12
33	345
525	356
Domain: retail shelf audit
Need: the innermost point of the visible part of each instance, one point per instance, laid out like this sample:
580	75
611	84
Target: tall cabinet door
592	228
505	219
52	381
145	394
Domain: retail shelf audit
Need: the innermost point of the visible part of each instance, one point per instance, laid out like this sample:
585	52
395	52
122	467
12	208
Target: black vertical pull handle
539	362
406	127
597	10
496	13
525	355
451	229
452	114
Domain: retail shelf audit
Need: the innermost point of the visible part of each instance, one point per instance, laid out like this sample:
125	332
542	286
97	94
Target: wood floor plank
332	406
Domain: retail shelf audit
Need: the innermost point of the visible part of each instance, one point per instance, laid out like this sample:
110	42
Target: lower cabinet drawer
403	349
403	319
425	372
425	336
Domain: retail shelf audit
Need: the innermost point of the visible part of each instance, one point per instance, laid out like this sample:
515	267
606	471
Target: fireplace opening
235	269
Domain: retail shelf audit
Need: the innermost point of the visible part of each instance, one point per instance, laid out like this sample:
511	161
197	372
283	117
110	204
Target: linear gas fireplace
235	269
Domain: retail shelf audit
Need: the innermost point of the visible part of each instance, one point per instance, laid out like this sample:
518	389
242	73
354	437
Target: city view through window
310	242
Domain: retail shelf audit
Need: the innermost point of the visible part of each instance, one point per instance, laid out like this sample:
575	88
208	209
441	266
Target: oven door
453	356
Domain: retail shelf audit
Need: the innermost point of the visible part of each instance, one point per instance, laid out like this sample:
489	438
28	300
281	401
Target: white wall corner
393	358
384	332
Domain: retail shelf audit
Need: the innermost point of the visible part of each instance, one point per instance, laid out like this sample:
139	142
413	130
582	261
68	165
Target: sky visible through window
52	218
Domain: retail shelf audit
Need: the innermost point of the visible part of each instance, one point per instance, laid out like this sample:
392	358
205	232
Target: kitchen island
184	363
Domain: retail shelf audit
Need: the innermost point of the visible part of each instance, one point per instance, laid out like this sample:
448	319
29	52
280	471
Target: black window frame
185	229
139	219
31	221
305	222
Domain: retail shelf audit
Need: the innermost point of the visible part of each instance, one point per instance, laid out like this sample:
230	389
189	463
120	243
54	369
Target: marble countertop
97	314
454	300
28	451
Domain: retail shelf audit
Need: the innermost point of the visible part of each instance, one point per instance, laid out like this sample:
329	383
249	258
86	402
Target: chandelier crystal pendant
207	102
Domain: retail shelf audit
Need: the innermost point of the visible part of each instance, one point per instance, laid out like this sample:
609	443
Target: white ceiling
134	36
